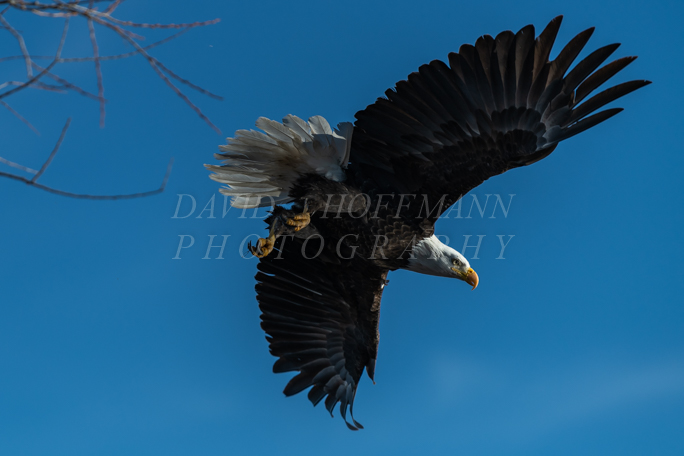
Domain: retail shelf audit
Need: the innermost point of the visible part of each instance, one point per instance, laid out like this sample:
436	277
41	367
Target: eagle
353	203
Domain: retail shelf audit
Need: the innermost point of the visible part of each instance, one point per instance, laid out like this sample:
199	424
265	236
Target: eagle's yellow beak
471	278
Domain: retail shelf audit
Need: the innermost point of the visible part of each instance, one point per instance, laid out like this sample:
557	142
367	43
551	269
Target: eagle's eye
455	262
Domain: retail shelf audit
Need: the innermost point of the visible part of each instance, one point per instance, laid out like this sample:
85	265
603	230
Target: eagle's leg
264	246
300	221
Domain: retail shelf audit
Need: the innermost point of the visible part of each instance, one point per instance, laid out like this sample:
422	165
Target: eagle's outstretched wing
499	105
321	316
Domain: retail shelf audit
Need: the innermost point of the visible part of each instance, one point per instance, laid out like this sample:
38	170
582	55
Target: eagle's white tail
261	168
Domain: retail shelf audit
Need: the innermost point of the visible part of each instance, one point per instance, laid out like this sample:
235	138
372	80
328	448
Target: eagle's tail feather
260	169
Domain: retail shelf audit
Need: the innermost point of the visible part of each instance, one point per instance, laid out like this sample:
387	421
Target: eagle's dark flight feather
499	105
321	316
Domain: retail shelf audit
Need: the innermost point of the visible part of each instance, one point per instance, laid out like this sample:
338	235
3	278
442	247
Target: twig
22	45
91	12
45	70
163	26
76	8
69	85
93	197
98	71
35	73
188	83
33	181
17	165
29	6
129	54
102	57
20	117
110	9
49	87
153	63
54	151
36	85
109	57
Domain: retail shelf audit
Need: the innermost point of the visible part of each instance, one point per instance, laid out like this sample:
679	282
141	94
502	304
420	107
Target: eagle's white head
431	256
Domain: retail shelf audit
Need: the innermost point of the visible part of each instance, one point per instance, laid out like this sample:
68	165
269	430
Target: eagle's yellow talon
299	221
263	247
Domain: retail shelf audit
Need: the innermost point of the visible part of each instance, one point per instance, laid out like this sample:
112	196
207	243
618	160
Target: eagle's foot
299	221
263	247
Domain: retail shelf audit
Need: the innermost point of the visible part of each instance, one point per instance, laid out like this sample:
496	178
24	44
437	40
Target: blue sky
573	344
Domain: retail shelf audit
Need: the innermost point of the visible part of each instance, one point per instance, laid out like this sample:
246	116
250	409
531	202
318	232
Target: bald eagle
365	197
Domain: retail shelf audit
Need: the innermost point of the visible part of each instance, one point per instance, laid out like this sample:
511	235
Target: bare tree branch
35	73
20	117
35	85
98	71
36	175
53	153
45	70
68	84
22	45
154	63
59	8
188	83
110	9
102	57
93	197
17	165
